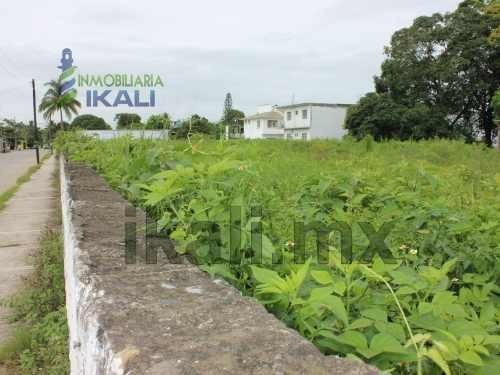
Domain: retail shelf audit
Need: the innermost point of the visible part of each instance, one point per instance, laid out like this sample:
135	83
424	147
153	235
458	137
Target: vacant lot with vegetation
429	305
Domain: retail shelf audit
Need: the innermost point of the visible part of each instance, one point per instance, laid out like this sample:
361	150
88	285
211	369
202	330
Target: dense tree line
17	133
133	121
438	80
89	122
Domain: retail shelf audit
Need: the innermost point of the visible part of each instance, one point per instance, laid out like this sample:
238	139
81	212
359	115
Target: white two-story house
266	123
314	120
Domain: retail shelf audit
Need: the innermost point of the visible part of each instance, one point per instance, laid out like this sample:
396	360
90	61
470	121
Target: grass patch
40	343
9	193
16	344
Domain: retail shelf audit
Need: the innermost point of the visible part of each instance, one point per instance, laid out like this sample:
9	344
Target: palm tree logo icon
61	94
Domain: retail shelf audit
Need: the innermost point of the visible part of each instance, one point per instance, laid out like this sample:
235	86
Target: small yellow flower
413	251
290	243
403	247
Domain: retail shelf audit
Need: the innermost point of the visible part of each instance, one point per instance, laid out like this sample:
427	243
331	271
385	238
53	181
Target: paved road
14	164
21	223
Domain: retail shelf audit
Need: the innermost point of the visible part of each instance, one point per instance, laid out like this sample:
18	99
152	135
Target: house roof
291	106
274	115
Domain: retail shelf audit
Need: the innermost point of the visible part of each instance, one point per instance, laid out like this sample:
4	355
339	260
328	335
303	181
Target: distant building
136	134
314	120
266	123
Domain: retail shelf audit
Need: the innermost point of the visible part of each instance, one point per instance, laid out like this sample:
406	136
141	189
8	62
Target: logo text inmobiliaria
109	90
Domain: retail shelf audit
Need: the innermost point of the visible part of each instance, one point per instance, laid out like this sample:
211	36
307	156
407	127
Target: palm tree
55	101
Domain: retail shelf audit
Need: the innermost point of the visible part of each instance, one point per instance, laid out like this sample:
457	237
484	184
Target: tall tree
158	122
493	10
54	101
228	106
127	120
90	122
194	125
446	66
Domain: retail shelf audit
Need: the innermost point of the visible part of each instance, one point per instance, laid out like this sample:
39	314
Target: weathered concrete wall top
165	318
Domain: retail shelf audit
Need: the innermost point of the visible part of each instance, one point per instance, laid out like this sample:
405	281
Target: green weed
434	310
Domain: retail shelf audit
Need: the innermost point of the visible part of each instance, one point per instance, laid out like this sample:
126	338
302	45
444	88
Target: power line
15	87
4	68
8	70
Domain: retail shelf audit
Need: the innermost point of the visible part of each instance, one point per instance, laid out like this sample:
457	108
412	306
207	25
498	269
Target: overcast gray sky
260	51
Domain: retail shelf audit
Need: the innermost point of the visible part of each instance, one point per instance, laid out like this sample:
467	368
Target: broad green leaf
297	278
375	314
403	276
384	342
267	250
491	340
463	327
444	298
339	287
320	294
219	270
263	275
393	329
178	234
335	305
322	277
429	322
405	290
471	357
488	312
360	323
369	353
436	357
448	266
353	338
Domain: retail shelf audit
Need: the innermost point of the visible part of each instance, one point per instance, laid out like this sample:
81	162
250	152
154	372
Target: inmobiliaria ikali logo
109	90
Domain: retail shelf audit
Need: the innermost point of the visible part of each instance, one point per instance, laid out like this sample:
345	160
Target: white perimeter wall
138	134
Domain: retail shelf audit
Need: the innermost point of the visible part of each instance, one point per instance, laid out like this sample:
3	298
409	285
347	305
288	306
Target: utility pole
34	123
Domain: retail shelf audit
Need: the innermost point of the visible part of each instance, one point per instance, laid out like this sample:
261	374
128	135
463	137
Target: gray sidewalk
21	223
14	164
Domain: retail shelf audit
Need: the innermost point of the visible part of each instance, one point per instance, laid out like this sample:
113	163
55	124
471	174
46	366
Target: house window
272	123
296	112
304	113
304	136
258	124
289	116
